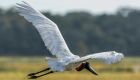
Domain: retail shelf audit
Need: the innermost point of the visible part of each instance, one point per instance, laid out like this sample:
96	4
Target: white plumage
54	41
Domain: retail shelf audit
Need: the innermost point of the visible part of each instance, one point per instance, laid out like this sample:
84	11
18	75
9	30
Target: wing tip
22	3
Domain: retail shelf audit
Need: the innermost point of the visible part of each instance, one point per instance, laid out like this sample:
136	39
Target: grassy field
16	68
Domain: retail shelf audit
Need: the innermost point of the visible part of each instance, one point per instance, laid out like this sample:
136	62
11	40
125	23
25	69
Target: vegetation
84	33
17	68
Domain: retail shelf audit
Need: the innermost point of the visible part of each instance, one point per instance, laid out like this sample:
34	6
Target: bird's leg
32	74
89	68
34	77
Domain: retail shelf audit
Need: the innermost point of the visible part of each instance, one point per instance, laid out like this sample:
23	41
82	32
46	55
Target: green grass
16	68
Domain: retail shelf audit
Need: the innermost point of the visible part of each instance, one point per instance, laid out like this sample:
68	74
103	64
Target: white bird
65	60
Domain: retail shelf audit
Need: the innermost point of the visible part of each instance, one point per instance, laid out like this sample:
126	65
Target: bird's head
86	65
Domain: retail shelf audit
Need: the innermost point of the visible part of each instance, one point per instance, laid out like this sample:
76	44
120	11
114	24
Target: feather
107	57
48	30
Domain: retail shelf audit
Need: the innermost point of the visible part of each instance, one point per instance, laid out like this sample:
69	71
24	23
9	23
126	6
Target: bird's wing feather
107	57
48	30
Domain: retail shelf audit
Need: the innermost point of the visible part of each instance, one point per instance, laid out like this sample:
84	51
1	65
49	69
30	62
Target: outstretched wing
106	57
48	30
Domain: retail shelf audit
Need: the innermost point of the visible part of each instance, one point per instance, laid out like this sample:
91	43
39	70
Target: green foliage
83	32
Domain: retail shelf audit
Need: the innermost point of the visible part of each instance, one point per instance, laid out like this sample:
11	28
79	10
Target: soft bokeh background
88	26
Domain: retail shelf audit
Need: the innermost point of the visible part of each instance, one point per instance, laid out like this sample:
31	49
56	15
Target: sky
64	6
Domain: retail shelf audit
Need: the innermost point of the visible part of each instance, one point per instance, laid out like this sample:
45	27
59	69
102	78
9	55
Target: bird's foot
31	74
33	77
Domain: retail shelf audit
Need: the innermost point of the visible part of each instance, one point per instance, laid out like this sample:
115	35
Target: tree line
84	33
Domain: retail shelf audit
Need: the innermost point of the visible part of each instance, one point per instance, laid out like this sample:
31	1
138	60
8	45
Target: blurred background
88	26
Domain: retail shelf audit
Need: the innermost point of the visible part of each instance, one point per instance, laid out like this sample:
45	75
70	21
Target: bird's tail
55	64
50	59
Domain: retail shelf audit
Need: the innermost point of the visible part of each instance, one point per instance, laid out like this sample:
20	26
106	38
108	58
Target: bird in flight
65	60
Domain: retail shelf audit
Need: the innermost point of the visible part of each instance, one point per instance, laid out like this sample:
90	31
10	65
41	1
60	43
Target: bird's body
71	62
63	64
65	60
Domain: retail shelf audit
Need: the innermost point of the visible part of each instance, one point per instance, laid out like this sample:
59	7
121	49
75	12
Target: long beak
89	68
